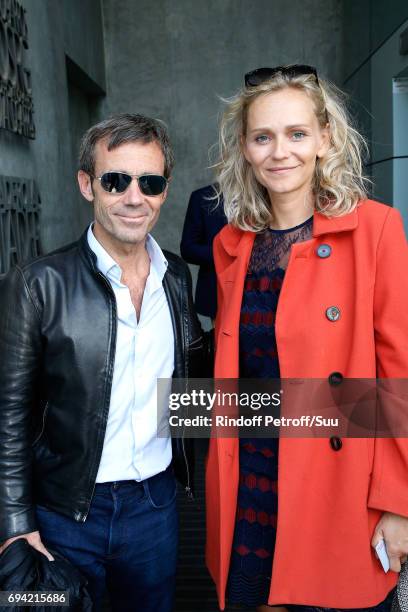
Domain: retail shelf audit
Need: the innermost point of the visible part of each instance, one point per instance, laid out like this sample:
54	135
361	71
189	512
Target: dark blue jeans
127	544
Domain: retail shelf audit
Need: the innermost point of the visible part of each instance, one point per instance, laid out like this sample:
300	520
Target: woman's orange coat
329	502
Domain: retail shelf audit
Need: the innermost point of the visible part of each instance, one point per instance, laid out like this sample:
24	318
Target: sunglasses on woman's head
258	76
118	182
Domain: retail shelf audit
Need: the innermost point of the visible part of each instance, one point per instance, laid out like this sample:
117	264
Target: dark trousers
384	606
128	543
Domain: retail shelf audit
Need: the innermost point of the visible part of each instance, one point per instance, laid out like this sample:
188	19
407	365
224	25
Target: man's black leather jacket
58	325
22	568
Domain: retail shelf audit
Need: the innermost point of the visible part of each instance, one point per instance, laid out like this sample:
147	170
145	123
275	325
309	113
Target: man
84	334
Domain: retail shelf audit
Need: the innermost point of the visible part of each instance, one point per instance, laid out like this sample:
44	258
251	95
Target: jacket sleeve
389	483
217	263
201	343
194	247
20	350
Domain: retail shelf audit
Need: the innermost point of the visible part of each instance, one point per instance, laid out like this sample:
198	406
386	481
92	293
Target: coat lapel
330	225
235	247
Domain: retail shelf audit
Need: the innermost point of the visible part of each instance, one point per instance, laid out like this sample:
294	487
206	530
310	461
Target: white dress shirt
144	352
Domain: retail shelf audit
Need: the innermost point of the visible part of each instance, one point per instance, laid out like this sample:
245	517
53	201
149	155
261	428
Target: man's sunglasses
258	76
118	182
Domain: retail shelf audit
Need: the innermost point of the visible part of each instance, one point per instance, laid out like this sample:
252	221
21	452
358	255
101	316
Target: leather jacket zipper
82	516
187	488
43	424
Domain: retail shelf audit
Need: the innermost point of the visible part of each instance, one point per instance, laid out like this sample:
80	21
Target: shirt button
324	250
333	313
336	443
335	378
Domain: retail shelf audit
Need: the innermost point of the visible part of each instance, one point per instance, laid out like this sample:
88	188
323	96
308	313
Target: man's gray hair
123	128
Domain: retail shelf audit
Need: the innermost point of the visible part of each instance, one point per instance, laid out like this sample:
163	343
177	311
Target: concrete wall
57	30
167	58
372	63
172	59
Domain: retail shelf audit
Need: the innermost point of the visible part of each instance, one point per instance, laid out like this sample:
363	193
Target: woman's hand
393	529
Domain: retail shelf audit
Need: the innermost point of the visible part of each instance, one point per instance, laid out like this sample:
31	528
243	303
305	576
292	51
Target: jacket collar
332	225
234	240
86	252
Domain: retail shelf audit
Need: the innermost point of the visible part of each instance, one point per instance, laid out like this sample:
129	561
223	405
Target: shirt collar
108	266
158	261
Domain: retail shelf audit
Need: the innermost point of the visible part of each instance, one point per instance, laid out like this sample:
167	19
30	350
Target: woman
290	173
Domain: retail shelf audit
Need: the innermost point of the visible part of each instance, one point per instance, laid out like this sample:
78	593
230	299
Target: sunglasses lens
118	182
152	184
115	182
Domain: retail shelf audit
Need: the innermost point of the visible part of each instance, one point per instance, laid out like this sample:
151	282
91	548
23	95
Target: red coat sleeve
389	483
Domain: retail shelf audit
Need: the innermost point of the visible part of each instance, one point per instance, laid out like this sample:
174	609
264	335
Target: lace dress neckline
290	229
271	248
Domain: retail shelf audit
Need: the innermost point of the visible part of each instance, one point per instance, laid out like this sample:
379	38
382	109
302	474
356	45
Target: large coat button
335	378
324	250
336	443
333	313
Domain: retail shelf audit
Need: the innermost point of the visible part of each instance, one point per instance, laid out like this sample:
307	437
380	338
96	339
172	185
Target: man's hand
393	529
33	539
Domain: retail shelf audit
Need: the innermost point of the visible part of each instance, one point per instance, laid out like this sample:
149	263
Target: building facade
52	79
65	64
376	77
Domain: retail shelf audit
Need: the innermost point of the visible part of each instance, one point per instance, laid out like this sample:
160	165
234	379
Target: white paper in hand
381	551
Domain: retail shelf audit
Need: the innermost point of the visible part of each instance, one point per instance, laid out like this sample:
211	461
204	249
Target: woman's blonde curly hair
338	182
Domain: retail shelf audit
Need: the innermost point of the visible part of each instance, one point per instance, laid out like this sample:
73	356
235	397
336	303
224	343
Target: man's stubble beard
107	223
